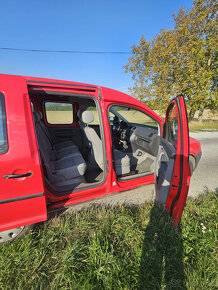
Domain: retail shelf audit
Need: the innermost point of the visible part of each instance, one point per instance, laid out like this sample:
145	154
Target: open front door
173	170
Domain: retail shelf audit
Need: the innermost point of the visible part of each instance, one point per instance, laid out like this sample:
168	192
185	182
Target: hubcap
10	234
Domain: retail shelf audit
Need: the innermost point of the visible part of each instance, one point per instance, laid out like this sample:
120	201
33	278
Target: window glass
59	113
125	122
172	124
132	116
3	128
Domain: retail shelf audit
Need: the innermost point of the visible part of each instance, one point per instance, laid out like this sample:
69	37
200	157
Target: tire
13	234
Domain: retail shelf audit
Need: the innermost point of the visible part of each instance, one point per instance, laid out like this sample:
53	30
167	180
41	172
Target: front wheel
13	234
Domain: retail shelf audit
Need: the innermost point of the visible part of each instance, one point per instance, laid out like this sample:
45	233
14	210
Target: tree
179	60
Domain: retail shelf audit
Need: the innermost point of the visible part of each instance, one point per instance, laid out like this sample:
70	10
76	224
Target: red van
63	143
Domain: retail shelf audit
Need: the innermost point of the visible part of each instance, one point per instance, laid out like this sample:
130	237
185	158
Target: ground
117	248
204	178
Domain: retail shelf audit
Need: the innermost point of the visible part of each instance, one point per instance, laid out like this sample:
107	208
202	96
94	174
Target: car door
22	200
173	171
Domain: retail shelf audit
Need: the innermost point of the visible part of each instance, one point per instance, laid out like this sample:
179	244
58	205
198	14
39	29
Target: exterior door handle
9	176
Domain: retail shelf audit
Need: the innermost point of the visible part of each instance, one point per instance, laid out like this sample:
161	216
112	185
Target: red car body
27	200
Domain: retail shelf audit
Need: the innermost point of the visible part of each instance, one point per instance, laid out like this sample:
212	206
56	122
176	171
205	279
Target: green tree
179	60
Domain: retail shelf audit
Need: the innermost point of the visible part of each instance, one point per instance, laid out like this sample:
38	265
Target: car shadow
162	253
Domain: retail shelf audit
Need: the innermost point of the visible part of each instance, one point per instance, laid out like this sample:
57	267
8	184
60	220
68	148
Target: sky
82	25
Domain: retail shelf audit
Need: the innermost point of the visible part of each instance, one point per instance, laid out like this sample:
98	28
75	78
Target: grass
117	248
65	117
203	126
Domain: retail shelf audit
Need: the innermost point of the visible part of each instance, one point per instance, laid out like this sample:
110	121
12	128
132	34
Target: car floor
95	175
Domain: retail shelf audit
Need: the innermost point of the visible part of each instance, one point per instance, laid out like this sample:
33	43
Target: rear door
173	170
22	199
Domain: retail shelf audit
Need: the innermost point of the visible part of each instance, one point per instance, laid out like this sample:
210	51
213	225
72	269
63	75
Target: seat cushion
64	152
122	162
64	144
69	167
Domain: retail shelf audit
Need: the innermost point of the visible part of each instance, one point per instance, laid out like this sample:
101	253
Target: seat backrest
86	118
43	143
44	128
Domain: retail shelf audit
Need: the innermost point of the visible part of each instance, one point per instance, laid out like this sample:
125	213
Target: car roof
107	93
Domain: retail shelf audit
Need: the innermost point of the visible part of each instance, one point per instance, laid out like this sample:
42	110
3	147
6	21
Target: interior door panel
173	171
146	139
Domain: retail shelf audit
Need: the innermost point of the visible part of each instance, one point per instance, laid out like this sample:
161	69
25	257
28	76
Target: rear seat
61	148
62	165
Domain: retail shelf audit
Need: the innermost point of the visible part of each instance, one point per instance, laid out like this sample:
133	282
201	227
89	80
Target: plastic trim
21	198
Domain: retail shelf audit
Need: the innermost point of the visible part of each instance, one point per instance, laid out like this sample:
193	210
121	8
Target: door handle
9	176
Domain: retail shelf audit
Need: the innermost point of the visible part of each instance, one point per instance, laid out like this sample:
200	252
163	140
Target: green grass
203	126
117	248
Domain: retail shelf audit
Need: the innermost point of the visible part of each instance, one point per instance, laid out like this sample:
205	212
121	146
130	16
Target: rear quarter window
3	126
59	113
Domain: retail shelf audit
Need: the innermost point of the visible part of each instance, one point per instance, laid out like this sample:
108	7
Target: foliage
179	60
58	108
117	248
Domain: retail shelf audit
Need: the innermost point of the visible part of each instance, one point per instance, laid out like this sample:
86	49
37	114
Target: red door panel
29	210
22	199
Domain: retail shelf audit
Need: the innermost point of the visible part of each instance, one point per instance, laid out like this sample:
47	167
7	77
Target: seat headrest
87	117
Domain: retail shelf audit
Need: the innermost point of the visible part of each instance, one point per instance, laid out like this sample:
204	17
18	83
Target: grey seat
61	146
122	161
58	151
59	169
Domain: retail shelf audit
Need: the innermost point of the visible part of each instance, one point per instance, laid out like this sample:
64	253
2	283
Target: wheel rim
10	234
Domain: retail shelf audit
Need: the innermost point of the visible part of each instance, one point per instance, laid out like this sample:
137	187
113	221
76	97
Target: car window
131	115
59	113
3	126
172	124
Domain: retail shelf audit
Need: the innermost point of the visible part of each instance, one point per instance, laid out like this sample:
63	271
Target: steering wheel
116	125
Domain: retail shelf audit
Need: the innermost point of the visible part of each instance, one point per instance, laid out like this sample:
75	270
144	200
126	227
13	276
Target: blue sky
93	25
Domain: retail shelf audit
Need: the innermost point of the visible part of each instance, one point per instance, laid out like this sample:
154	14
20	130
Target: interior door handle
9	176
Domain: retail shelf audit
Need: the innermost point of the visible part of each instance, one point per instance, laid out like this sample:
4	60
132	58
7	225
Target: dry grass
59	117
203	126
65	117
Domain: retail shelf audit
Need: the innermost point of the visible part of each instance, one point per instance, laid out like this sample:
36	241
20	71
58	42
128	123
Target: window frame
4	125
170	126
142	110
137	109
